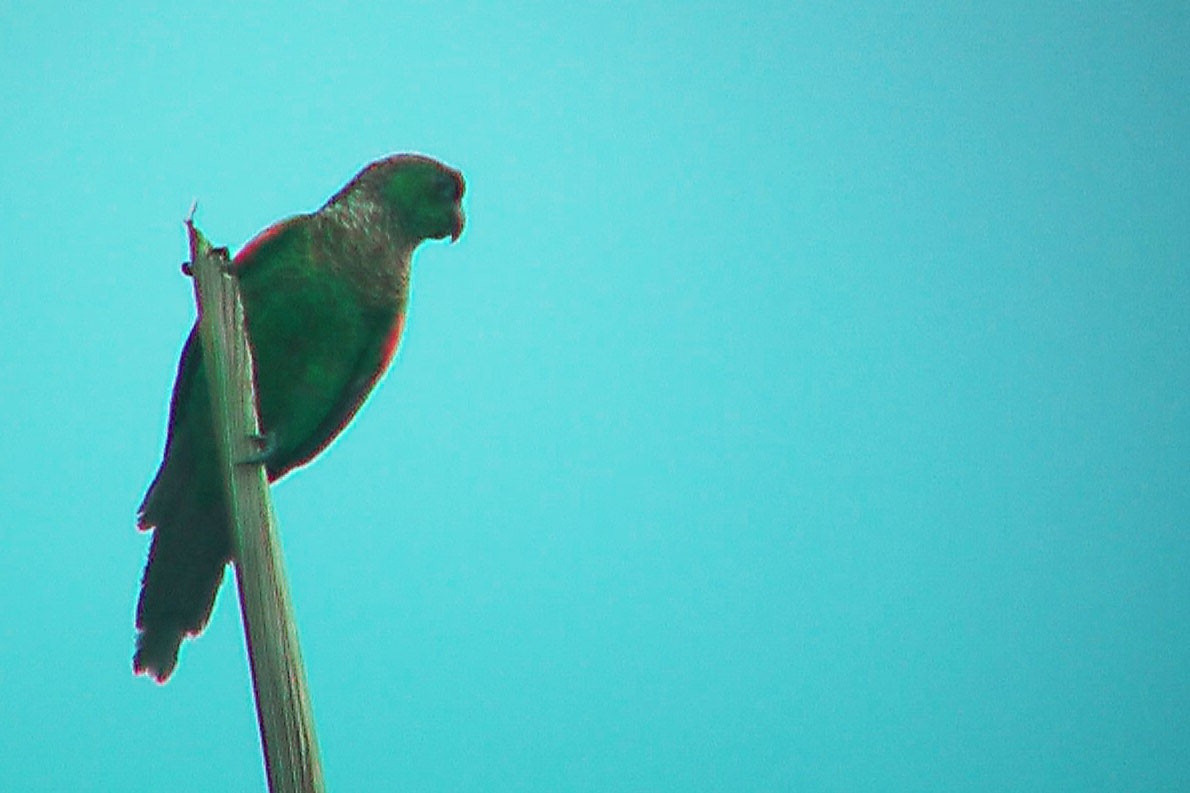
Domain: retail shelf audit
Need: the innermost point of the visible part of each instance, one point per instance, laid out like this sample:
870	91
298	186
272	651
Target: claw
266	444
224	263
224	260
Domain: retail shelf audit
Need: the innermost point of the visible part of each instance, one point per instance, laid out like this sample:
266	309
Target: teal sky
805	408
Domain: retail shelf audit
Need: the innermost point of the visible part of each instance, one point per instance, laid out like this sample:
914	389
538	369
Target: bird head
425	194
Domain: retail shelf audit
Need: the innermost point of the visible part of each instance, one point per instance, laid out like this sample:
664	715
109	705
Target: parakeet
324	298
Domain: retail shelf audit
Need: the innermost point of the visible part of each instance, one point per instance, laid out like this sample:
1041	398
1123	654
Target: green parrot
324	298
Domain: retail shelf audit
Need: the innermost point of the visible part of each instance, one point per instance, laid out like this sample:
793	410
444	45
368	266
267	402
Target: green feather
324	299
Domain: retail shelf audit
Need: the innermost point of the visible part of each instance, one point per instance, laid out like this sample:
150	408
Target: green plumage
324	299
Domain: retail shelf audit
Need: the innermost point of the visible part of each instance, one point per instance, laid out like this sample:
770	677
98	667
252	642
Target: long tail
191	546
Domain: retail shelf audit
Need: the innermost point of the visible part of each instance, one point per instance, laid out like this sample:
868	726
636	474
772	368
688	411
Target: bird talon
221	254
224	257
266	444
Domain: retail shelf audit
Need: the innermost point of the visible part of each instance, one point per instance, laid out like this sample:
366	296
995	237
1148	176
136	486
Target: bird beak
458	225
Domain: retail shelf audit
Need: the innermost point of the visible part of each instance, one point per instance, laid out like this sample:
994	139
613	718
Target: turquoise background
805	408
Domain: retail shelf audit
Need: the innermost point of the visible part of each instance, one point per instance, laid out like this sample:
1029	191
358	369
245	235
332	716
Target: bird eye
446	187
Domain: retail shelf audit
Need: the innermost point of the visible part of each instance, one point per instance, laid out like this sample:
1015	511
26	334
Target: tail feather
191	546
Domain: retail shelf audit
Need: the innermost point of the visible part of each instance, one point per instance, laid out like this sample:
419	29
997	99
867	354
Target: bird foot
223	254
266	445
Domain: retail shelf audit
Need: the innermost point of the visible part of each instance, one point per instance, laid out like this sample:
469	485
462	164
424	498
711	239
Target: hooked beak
459	222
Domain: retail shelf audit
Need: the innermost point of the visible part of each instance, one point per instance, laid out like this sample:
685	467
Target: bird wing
317	349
